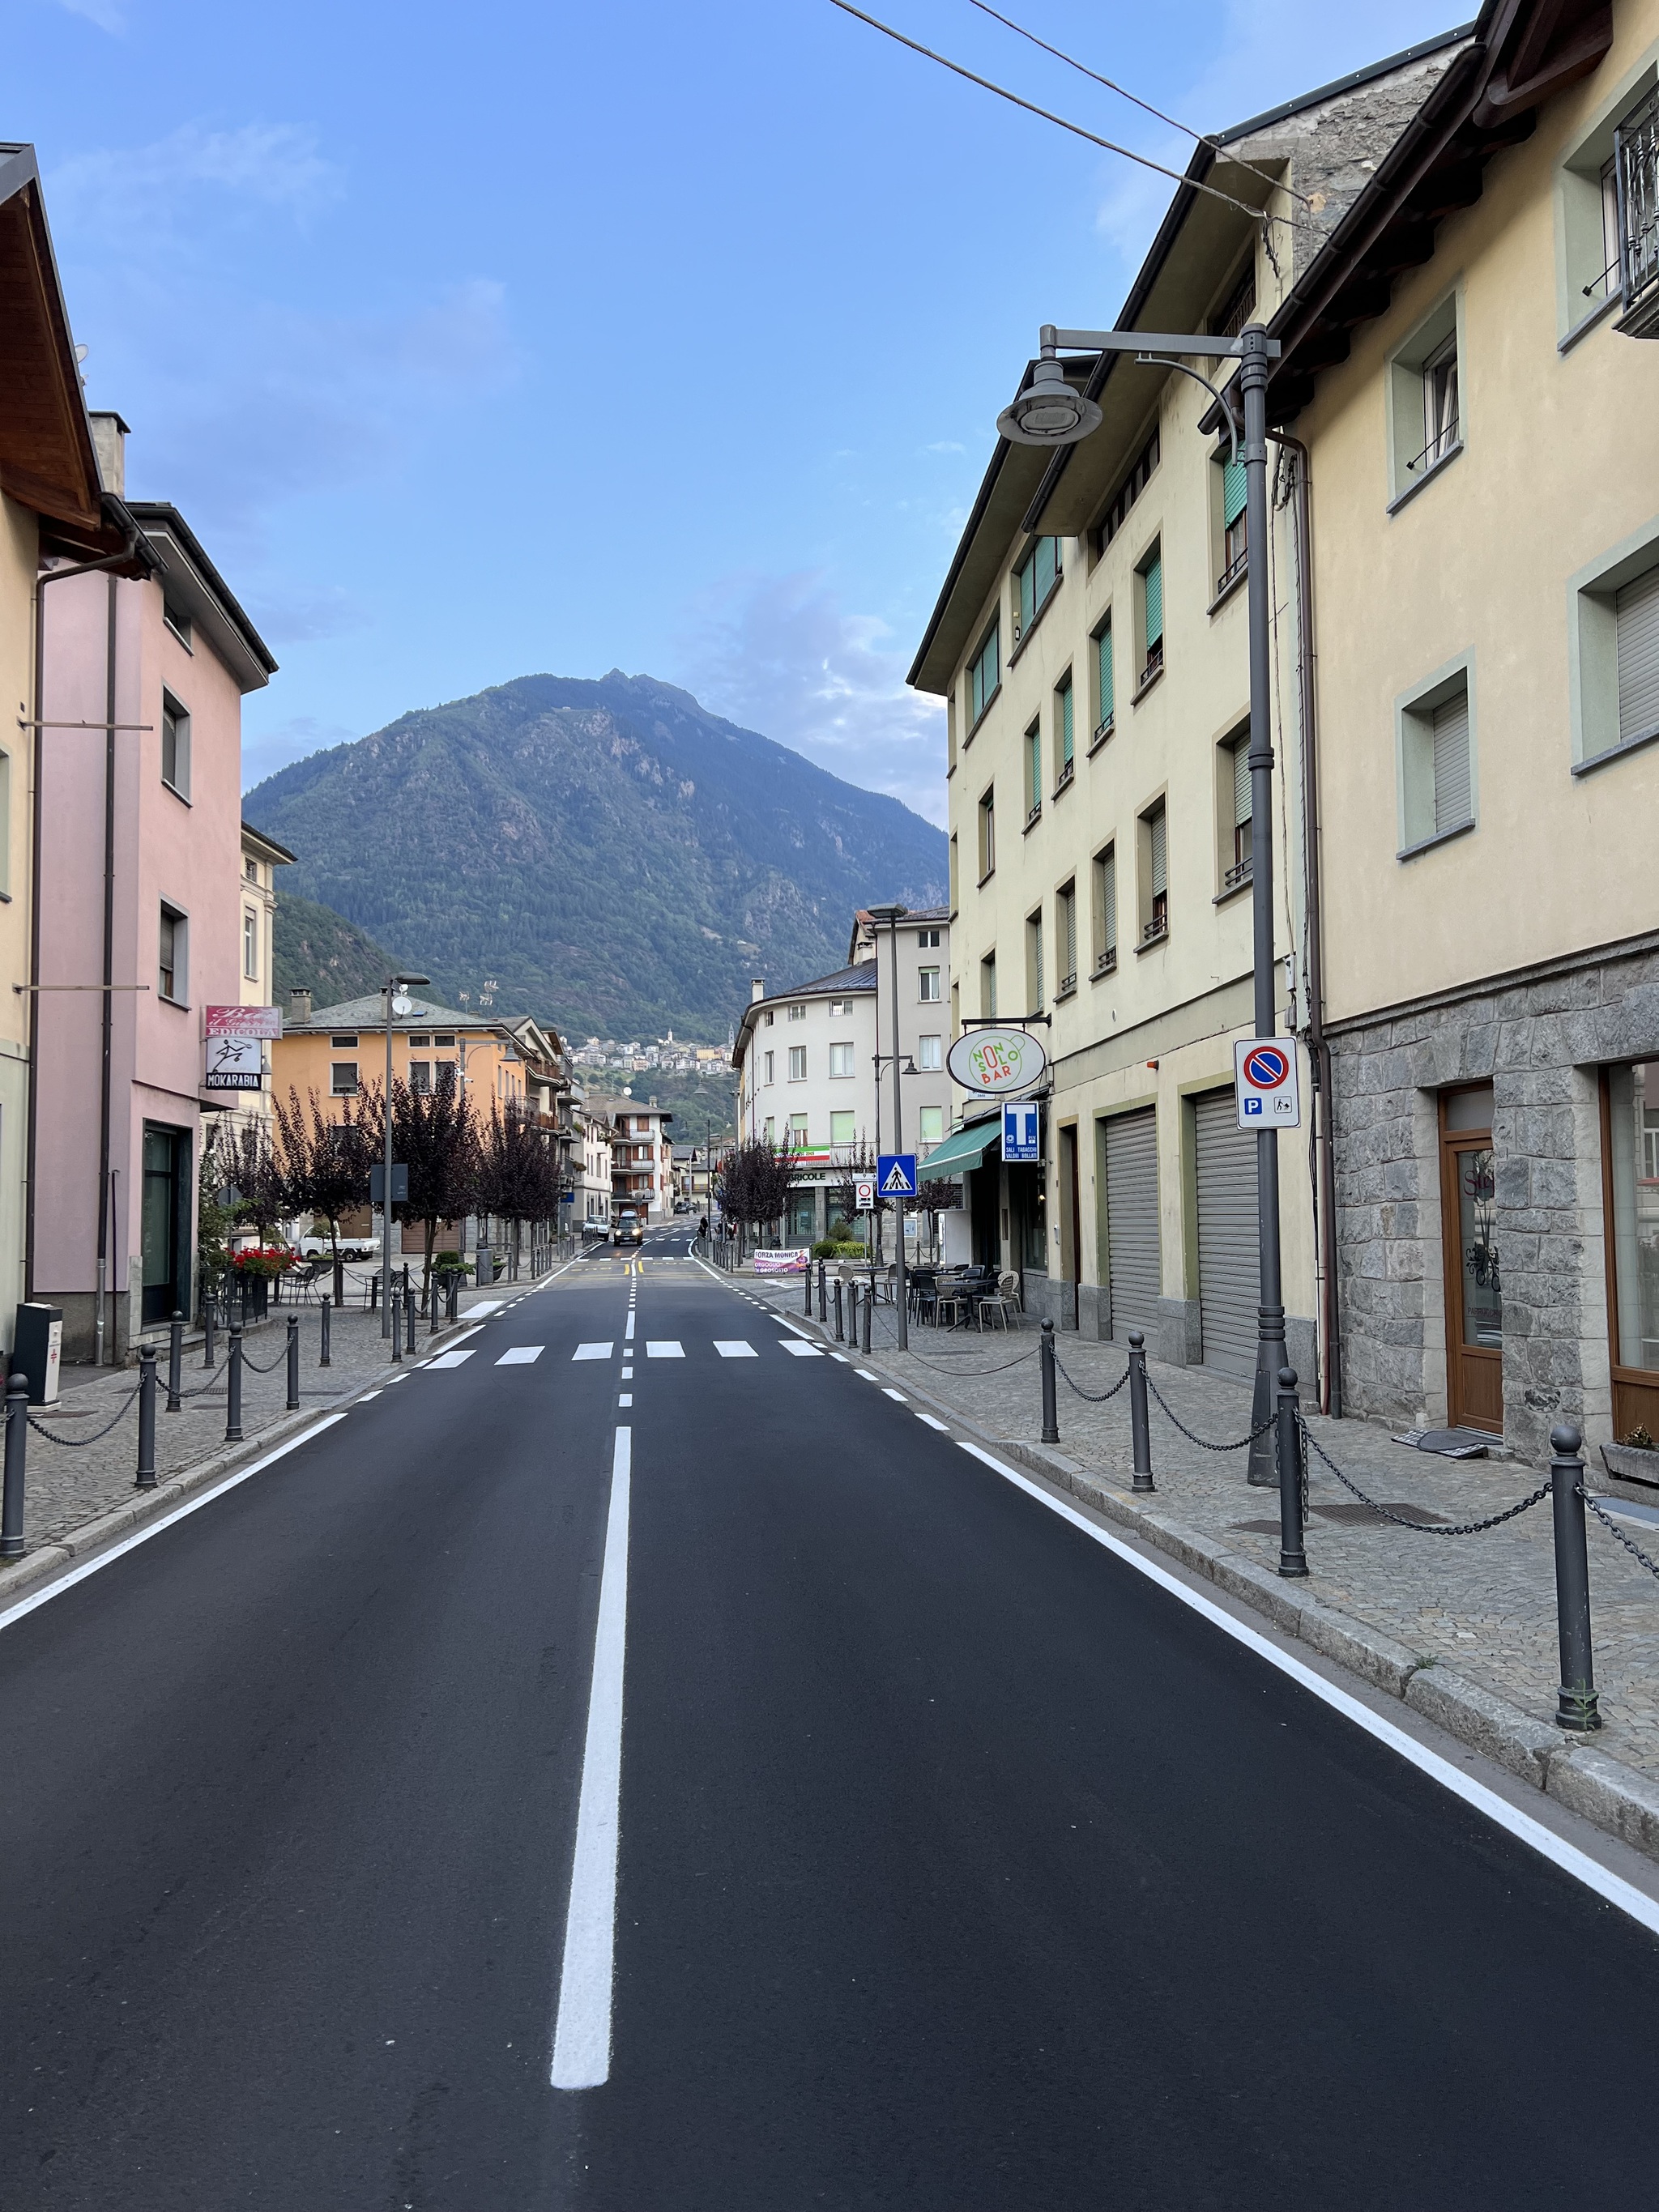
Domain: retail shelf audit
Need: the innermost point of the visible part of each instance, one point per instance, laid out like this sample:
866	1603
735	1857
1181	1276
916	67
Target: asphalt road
958	1866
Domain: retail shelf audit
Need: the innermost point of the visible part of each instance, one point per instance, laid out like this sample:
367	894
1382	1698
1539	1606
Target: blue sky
480	342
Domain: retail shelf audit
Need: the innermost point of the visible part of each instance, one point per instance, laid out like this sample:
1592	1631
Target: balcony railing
1107	961
1236	876
1636	159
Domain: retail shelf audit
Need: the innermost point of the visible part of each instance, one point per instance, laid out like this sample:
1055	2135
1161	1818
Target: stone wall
1541	1041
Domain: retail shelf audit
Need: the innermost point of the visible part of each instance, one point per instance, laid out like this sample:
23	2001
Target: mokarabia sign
235	1038
997	1063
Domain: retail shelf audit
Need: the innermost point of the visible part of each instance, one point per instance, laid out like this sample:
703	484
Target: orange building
340	1051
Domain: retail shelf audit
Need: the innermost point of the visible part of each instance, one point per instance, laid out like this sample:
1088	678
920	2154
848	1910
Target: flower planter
1631	1463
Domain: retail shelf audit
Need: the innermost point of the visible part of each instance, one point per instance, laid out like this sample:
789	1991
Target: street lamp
394	987
892	915
1049	412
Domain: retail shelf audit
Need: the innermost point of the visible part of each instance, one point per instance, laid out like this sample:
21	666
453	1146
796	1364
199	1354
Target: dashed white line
625	1398
865	1375
932	1423
899	1394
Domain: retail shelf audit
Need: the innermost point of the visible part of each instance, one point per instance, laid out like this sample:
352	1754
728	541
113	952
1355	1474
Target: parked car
352	1248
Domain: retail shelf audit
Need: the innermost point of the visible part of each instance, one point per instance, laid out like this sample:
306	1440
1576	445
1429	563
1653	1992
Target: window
798	1132
1439	406
767	1020
1033	772
1117	512
1235	521
984	675
1239	305
342	1079
988	833
1066	937
175	747
419	1042
420	1077
444	1072
1437	763
988	986
443	1044
770	1076
1632	1135
250	945
1155	875
954	900
930	1125
798	1063
841	1060
928	980
1105	910
1150	578
837	1008
1236	812
1594	257
174	981
343	1043
798	1013
251	870
929	1054
1034	579
1425	415
1104	694
927	939
1034	961
178	624
1615	644
771	1130
844	1127
1065	741
5	824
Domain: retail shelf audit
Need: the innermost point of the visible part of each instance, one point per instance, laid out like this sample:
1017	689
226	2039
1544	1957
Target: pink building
141	926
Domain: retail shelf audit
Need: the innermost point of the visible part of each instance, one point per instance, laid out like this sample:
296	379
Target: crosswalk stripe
592	1351
799	1349
664	1348
450	1358
735	1349
521	1355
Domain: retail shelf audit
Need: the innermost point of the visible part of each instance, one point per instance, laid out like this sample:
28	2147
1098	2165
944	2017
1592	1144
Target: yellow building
1090	642
340	1052
1467	364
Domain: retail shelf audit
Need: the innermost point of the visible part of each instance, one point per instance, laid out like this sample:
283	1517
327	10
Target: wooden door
1475	1292
1071	1244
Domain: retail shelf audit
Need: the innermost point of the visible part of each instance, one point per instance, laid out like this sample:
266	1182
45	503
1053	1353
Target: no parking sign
1266	1084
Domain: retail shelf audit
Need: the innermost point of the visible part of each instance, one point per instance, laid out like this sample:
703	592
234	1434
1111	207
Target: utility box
38	1351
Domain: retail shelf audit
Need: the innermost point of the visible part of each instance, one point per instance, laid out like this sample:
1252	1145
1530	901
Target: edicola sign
1266	1084
997	1063
235	1034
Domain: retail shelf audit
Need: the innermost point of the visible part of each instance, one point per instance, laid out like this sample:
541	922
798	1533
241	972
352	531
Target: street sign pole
899	1297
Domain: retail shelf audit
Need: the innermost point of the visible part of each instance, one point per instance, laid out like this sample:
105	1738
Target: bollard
17	1437
841	1334
411	1315
436	1307
455	1297
375	1291
146	1476
1292	1558
1050	1407
325	1354
869	1300
1576	1707
1140	1428
234	1388
292	1406
175	1362
397	1331
824	1289
207	1332
809	1290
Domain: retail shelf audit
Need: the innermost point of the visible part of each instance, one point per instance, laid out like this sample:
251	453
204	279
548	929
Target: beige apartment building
1089	641
1470	364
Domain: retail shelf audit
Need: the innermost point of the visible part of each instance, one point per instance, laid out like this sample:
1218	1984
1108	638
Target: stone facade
1541	1040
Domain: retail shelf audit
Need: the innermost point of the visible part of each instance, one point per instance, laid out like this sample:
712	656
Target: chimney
756	991
299	1006
109	442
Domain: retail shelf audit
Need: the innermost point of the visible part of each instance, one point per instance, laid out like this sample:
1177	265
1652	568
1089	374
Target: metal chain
948	1367
1422	1528
1203	1442
80	1443
1094	1397
1615	1531
274	1366
203	1389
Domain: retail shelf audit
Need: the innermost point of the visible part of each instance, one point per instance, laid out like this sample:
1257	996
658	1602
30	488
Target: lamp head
1048	412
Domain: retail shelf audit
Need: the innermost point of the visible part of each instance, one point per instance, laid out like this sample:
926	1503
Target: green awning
962	1149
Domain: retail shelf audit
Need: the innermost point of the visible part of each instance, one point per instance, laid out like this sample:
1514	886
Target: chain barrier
1616	1532
950	1366
1203	1443
203	1389
1422	1528
255	1365
1094	1397
80	1443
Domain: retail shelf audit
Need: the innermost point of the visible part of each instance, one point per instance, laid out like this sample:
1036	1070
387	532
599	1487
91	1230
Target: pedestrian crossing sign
896	1174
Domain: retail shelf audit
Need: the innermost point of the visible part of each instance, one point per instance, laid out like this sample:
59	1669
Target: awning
964	1148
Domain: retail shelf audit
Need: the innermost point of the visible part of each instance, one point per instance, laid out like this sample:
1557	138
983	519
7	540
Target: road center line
582	2036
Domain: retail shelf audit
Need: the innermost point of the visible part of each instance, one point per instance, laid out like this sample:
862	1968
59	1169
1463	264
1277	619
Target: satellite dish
403	1004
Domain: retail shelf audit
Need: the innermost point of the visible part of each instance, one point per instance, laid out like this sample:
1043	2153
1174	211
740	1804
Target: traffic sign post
1021	1132
864	1194
896	1174
1267	1085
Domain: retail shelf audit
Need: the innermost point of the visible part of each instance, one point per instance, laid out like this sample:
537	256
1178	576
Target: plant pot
1631	1463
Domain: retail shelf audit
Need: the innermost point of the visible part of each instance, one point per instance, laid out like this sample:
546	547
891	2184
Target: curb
1618	1798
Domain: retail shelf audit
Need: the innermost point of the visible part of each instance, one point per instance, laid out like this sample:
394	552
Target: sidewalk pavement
77	1496
1463	1628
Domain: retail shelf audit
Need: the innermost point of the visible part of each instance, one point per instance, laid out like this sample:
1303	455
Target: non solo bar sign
236	1041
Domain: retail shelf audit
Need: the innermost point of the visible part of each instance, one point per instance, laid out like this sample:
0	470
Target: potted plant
1635	1460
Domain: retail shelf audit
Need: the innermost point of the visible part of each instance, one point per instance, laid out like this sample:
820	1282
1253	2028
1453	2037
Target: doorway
1475	1290
1071	1228
1630	1157
163	1220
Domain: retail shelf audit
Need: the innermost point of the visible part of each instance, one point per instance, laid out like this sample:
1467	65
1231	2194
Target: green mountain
607	855
316	950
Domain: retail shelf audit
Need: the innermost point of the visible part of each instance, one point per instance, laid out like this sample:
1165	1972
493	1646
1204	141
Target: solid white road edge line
143	1536
1568	1856
581	2038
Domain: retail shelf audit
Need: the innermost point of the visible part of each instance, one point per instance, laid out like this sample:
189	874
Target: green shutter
1153	580
1241	782
1104	672
1027	596
1033	771
1066	725
1160	852
1109	899
1232	492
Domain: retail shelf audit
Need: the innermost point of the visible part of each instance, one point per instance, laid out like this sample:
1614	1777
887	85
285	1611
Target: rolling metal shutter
1454	787
1637	617
1133	1273
1229	1270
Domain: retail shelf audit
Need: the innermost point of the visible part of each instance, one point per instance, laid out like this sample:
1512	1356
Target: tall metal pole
899	1295
386	1195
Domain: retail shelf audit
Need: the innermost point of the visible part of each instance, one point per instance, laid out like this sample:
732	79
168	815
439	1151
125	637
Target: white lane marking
899	1394
367	1395
865	1375
1568	1856
521	1355
784	1321
733	1347
482	1313
452	1358
582	2039
664	1347
593	1351
143	1536
840	1356
391	1379
798	1350
624	1397
933	1423
627	1375
629	1331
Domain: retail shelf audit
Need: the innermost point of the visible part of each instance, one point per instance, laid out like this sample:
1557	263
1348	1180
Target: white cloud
121	190
108	14
780	654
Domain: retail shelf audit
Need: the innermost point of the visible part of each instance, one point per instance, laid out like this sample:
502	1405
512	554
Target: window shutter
1109	898
1452	795
1104	665
1068	916
1241	783
1065	724
1154	584
1027	596
1637	615
1160	870
1232	492
1033	770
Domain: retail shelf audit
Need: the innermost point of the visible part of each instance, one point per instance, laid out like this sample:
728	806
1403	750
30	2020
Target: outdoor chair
1000	1302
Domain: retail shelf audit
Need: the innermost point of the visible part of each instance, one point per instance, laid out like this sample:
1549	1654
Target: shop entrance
1474	1290
165	1240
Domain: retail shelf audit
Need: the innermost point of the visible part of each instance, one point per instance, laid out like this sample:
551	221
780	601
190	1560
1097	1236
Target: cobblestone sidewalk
1483	1605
